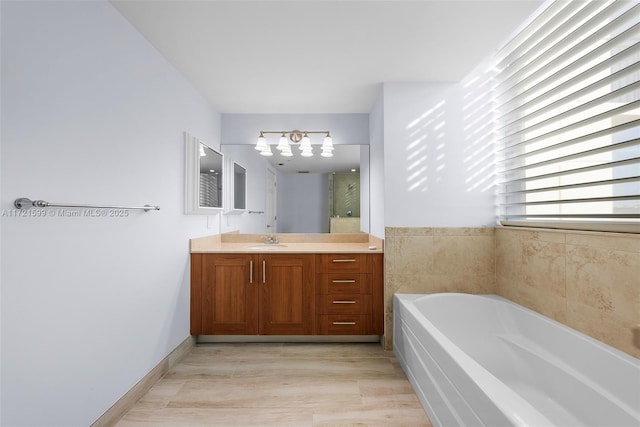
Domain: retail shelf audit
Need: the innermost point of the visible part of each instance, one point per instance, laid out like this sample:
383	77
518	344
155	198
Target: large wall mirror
314	194
204	177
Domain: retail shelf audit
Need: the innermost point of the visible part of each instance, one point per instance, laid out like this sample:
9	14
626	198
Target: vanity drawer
345	304
344	324
334	263
344	283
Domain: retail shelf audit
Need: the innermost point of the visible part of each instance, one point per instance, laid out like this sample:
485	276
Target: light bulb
305	143
327	143
267	151
262	143
283	143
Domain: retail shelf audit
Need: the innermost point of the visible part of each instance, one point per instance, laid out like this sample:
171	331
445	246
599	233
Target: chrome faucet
271	239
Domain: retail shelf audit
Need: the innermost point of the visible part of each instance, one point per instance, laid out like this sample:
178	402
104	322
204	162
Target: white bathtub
481	360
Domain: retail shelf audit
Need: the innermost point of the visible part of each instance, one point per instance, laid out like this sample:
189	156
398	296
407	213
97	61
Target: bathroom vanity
304	285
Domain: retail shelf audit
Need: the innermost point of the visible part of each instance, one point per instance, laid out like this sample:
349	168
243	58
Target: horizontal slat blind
568	118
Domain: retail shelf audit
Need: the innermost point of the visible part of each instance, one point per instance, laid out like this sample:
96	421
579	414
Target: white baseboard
126	402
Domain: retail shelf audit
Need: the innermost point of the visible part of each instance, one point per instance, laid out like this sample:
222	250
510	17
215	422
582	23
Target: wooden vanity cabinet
350	294
245	294
286	294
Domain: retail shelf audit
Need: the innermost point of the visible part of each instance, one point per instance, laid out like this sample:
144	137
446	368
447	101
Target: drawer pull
344	323
344	302
344	260
343	281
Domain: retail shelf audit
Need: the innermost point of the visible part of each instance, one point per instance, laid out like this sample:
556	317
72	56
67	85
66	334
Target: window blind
568	118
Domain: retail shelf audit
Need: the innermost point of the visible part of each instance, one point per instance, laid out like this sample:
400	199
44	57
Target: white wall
300	210
91	113
365	189
437	156
256	166
376	167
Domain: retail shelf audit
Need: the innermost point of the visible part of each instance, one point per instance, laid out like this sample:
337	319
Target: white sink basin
266	246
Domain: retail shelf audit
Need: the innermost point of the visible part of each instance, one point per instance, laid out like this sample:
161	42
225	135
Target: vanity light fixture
295	137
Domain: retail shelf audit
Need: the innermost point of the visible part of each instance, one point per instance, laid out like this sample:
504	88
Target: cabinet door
229	294
287	302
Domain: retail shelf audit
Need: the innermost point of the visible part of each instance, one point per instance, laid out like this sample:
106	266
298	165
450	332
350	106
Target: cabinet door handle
343	281
251	271
343	260
264	271
344	323
344	302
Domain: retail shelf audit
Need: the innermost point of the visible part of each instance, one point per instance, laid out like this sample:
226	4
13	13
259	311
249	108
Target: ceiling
320	56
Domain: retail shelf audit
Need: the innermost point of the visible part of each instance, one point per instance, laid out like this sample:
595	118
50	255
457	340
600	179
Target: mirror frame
192	178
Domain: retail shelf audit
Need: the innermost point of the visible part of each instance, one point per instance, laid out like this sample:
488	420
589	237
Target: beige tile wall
430	260
589	281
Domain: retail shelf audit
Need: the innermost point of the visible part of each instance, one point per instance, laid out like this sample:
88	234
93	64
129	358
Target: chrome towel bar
25	203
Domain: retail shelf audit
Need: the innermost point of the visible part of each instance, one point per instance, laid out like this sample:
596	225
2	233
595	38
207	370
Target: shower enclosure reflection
344	202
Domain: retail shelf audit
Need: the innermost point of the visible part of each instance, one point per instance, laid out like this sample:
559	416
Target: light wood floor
281	384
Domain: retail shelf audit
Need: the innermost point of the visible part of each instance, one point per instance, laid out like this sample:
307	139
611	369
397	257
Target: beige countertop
288	243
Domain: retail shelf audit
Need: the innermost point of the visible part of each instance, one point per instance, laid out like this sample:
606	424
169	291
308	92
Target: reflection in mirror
210	185
344	190
239	187
203	177
305	201
344	202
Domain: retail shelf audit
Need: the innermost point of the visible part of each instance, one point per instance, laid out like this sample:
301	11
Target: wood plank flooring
281	384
